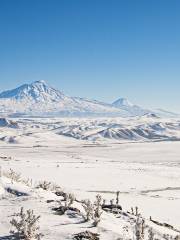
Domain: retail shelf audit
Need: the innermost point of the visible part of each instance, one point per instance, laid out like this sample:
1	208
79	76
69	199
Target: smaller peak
123	102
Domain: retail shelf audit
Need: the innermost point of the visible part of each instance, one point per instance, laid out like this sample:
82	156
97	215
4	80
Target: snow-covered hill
135	129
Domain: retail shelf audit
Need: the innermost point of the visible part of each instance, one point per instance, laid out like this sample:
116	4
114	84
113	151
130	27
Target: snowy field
139	157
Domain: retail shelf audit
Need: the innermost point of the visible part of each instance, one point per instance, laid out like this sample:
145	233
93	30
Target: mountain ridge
40	99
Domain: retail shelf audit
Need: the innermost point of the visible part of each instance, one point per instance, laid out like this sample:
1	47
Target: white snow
82	158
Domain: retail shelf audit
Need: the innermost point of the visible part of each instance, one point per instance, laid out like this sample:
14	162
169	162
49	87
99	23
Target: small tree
25	225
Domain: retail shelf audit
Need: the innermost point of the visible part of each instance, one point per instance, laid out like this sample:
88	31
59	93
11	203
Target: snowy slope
146	175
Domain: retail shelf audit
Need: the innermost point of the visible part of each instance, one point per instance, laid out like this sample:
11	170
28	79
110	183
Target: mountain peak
125	104
36	92
122	102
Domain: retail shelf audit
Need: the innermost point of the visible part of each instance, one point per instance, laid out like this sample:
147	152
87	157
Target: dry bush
14	176
45	185
48	186
93	211
97	210
139	228
151	234
25	225
65	205
69	199
89	209
28	182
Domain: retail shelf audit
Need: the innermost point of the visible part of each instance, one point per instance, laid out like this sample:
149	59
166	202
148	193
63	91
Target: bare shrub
97	210
48	186
14	176
88	208
45	185
139	228
151	234
65	205
93	210
69	199
28	182
25	225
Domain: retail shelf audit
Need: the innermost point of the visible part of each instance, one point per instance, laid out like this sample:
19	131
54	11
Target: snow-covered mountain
40	99
38	91
125	104
135	110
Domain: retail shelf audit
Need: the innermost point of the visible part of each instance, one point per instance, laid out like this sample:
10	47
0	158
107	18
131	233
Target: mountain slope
164	113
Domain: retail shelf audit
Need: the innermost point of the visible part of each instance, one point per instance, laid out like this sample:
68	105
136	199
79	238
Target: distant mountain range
39	99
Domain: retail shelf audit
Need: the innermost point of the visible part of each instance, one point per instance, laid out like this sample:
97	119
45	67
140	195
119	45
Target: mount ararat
38	99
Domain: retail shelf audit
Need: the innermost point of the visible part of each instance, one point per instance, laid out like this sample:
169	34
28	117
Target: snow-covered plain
88	156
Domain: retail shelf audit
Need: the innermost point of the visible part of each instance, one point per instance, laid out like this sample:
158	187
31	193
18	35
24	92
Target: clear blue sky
101	49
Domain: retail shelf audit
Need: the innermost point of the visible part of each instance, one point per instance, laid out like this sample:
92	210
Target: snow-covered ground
137	156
